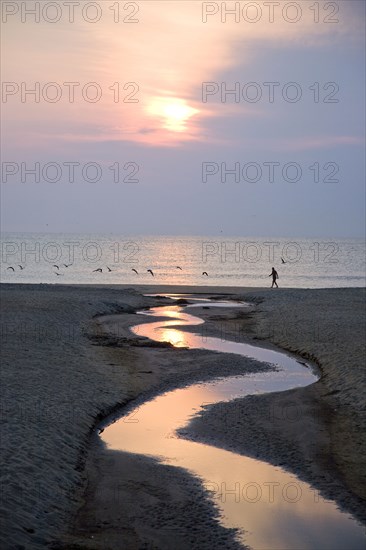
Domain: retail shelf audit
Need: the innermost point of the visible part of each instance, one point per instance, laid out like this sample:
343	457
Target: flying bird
109	269
205	273
179	267
133	269
67	265
56	266
283	261
21	267
100	270
59	274
149	271
11	267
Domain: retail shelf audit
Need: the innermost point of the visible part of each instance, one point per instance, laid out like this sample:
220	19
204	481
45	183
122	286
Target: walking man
274	276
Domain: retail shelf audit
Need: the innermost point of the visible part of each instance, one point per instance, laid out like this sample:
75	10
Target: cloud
318	142
168	53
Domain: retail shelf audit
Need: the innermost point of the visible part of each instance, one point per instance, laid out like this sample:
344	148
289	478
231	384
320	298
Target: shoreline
128	379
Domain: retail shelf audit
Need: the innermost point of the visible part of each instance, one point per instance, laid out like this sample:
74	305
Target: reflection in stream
272	508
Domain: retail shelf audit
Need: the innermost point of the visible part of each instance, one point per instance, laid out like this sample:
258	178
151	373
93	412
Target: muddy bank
63	371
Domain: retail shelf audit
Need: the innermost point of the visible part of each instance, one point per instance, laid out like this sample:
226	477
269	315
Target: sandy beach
68	362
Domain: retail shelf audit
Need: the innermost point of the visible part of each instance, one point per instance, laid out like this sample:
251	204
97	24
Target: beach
69	360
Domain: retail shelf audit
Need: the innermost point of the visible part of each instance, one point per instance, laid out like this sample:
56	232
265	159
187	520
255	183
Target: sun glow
174	113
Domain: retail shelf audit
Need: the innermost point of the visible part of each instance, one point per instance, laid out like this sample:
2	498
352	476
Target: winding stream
272	508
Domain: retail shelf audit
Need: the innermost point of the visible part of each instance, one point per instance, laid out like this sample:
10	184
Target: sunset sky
146	115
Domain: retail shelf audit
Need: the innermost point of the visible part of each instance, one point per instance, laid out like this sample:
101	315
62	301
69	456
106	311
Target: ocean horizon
181	260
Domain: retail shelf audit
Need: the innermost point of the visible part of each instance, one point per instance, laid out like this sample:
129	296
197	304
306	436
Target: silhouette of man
274	276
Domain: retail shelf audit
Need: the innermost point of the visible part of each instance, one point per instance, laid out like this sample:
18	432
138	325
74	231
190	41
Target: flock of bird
100	270
109	270
12	268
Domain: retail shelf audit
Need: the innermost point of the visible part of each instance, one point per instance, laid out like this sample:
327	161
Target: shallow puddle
272	508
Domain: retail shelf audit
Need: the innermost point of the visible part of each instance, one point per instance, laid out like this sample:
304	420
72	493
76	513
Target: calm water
272	508
229	261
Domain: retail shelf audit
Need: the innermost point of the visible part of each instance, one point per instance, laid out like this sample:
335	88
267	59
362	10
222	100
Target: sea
65	258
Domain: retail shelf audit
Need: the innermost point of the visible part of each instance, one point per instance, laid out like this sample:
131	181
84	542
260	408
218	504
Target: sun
173	112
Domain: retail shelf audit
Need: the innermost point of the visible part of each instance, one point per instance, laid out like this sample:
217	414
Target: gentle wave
228	261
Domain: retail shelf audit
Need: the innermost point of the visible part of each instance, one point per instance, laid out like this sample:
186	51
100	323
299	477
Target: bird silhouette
133	269
205	273
11	267
179	267
67	265
59	274
149	271
56	266
21	267
109	269
283	261
100	270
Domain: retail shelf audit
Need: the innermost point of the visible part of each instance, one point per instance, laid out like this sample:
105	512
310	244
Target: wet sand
67	364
